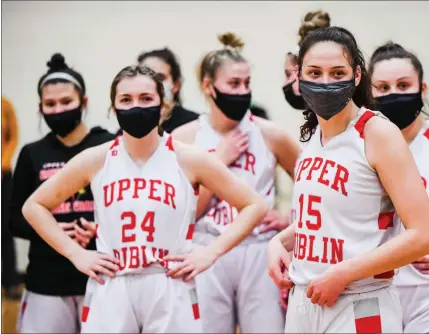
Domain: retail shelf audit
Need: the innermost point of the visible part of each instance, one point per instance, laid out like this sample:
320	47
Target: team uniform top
339	207
256	166
143	212
408	275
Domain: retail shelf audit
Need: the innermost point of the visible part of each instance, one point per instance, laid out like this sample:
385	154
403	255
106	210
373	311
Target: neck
337	124
220	122
76	136
411	131
141	149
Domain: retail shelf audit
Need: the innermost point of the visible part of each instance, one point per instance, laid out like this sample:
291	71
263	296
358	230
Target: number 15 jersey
143	212
339	207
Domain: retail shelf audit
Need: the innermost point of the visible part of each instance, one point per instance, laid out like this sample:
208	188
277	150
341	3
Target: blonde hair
312	21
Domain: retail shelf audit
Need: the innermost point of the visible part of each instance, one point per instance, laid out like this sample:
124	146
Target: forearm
287	237
204	198
406	247
241	227
46	226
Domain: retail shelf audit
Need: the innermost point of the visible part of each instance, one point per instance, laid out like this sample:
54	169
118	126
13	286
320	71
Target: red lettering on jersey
341	176
303	166
134	257
222	213
109	195
325	171
170	193
139	184
338	182
305	250
250	162
154	191
317	163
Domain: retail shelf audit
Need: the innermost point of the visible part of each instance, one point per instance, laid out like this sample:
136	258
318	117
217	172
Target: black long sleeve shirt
48	272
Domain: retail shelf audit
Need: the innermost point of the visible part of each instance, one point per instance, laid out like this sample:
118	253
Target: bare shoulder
186	133
270	130
382	137
92	159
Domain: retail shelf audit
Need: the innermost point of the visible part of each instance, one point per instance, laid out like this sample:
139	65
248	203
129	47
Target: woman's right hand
232	146
93	263
278	264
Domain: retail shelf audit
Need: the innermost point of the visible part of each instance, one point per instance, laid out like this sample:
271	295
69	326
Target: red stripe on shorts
196	310
190	233
85	312
368	325
385	220
385	275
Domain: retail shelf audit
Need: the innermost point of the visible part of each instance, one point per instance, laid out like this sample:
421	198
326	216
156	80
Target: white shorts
49	314
237	290
415	308
151	303
377	311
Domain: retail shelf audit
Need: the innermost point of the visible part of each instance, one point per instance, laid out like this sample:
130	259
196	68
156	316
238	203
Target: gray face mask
327	100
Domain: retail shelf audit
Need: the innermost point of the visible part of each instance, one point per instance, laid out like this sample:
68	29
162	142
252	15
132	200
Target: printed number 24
147	225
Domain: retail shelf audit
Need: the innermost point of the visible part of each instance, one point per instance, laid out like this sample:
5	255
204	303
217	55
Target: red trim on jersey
85	312
368	325
385	220
360	124
169	143
196	311
115	143
190	233
426	133
96	231
385	275
251	117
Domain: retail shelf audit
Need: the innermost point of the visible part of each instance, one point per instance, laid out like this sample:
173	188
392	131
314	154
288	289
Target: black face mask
138	121
233	106
327	100
65	122
295	101
401	109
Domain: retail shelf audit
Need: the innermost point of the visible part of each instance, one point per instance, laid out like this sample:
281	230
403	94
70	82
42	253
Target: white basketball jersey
256	166
143	212
339	207
419	147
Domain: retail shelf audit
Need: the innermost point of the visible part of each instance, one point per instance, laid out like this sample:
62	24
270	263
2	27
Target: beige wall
99	38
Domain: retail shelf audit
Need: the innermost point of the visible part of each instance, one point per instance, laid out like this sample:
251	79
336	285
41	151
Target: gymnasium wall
98	38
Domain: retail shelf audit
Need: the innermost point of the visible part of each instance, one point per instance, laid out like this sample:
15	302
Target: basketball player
343	234
312	21
145	192
397	80
54	289
237	289
165	63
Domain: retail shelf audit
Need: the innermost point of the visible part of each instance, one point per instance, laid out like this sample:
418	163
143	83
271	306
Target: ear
85	102
424	89
358	76
207	87
176	86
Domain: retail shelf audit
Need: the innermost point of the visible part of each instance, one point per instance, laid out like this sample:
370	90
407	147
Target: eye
66	102
247	83
49	104
234	83
403	86
314	73
125	100
146	99
338	74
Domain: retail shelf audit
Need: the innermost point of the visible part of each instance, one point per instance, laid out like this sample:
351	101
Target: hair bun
229	39
57	62
312	21
388	48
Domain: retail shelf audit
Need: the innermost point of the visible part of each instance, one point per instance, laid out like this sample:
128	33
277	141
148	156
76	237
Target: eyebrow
237	78
315	66
403	78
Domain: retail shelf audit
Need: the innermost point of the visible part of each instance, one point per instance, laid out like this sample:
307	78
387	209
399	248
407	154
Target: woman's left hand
326	289
191	264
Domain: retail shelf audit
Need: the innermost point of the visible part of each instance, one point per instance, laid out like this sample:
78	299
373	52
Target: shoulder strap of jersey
361	122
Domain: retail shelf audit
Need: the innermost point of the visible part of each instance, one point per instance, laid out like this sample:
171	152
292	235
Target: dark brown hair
214	59
131	72
168	57
343	37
